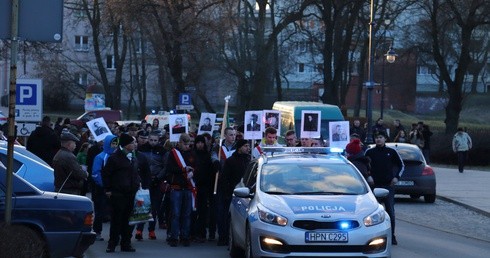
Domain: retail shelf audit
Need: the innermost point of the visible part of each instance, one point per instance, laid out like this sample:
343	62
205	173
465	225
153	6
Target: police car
298	202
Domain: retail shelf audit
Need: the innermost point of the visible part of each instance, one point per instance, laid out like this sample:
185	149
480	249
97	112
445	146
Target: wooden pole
223	127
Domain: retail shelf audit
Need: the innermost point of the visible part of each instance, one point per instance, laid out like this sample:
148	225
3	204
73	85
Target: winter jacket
362	163
462	142
120	174
65	166
204	171
177	176
101	159
44	143
155	156
386	164
233	171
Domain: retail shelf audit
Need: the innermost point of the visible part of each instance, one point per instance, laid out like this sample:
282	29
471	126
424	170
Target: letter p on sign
26	94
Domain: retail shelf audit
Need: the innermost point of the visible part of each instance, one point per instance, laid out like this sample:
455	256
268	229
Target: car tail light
89	219
428	171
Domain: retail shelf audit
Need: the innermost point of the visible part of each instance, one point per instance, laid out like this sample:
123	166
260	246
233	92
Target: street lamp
390	58
370	84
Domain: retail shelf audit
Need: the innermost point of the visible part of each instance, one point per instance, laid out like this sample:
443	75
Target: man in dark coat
121	182
386	168
233	171
69	175
43	141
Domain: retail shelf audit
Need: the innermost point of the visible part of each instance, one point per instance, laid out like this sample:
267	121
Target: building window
81	43
301	67
111	63
82	79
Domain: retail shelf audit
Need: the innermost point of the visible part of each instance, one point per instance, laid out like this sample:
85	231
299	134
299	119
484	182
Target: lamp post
370	83
390	57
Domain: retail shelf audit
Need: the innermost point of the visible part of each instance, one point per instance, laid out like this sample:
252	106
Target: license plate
322	237
405	183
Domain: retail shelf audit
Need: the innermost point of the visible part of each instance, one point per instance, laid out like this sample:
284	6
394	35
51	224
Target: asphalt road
441	229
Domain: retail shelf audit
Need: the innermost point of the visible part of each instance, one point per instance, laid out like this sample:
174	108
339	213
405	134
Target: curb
479	211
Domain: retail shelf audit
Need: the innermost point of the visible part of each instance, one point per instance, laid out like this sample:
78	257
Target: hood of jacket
107	144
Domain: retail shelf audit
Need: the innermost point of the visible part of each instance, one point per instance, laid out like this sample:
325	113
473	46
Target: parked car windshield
294	178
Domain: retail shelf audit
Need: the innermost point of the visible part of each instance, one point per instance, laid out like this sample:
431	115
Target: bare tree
107	37
452	25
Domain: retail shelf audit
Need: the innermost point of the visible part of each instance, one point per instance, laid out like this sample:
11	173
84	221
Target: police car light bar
319	150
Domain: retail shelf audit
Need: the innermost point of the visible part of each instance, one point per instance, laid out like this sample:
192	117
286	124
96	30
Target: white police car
299	202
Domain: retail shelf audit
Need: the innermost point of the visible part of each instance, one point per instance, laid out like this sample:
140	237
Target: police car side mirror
380	193
242	192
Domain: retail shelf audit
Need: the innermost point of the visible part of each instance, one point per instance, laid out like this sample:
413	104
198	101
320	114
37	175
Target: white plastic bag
142	208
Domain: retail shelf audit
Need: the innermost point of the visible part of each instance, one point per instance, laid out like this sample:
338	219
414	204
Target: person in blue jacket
98	194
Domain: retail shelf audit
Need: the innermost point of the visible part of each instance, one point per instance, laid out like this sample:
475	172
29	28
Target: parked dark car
418	179
62	223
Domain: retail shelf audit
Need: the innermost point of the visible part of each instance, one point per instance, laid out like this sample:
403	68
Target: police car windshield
305	179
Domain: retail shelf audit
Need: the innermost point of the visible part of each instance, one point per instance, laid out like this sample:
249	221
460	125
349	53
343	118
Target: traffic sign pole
11	118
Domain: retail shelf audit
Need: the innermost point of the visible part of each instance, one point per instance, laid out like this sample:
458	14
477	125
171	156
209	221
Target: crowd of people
191	181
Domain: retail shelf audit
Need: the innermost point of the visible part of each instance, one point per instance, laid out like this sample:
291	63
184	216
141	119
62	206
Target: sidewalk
470	189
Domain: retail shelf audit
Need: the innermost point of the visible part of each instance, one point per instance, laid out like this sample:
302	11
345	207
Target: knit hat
240	143
125	139
353	147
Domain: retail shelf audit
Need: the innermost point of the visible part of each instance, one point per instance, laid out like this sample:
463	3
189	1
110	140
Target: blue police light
172	111
344	225
153	111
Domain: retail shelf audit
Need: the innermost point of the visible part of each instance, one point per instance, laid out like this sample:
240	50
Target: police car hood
304	205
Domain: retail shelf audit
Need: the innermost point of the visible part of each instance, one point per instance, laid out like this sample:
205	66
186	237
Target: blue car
29	166
61	223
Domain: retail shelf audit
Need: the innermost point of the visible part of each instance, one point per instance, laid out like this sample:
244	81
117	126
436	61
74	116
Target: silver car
299	202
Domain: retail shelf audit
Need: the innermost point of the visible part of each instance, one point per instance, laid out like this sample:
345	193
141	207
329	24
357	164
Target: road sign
25	129
29	100
38	20
184	107
185	99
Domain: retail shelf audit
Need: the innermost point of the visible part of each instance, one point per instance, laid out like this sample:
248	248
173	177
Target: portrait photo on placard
206	123
310	123
272	118
339	134
252	127
178	124
99	129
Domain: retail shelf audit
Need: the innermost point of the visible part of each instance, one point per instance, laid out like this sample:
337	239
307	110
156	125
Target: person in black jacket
233	171
204	176
121	182
386	168
44	142
356	156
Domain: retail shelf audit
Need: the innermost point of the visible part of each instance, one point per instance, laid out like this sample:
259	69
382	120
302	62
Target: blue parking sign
29	100
26	94
185	99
